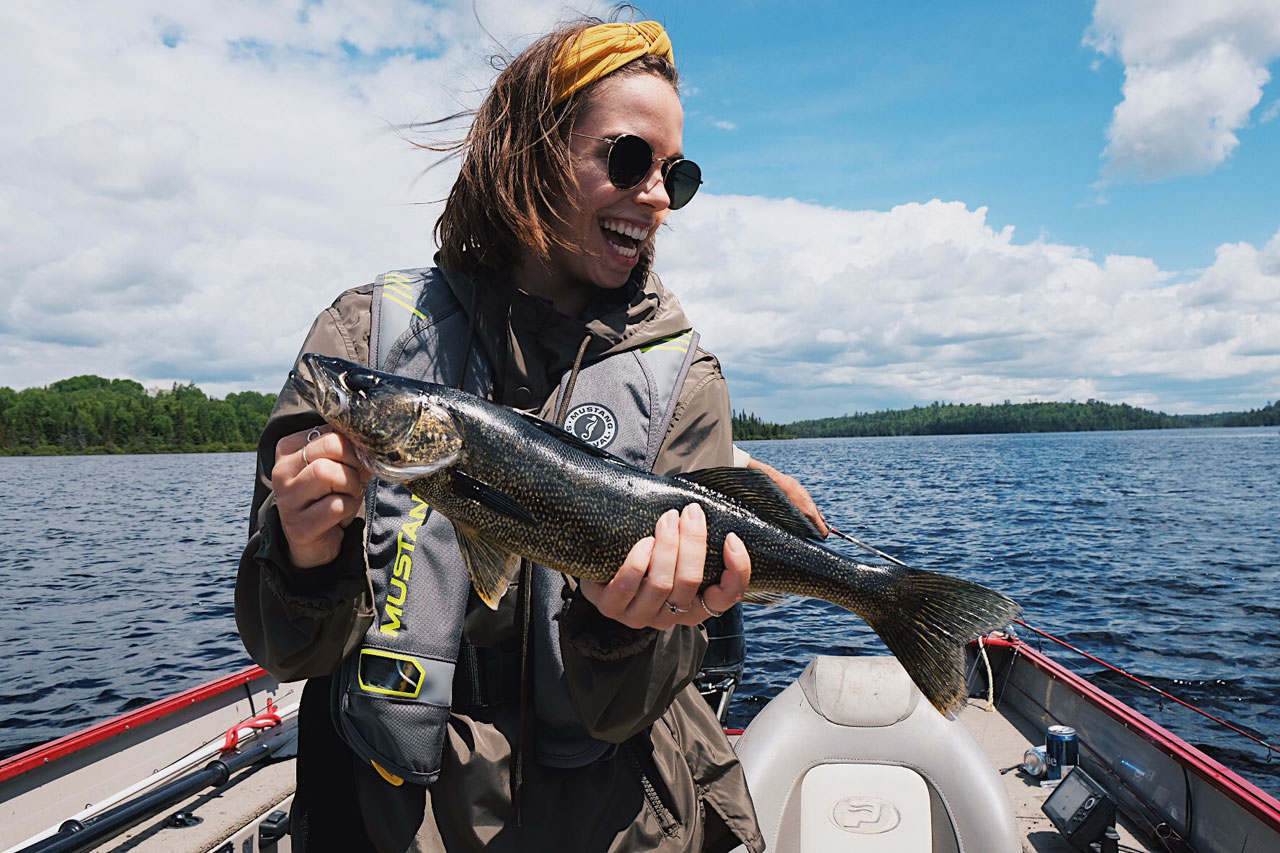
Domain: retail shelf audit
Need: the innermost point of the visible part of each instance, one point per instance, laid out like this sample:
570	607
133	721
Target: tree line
89	414
1006	417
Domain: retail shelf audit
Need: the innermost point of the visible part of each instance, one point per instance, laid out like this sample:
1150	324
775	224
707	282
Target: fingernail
733	543
693	512
670	520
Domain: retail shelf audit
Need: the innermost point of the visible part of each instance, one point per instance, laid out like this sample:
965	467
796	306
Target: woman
567	718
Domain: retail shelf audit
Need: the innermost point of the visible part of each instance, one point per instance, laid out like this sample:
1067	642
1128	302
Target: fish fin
573	441
490	566
765	599
754	490
466	486
926	627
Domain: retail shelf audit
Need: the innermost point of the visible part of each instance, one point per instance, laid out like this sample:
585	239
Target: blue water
1158	551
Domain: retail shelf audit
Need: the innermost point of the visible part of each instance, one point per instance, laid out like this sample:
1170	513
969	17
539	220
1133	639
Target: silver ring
675	609
311	436
703	602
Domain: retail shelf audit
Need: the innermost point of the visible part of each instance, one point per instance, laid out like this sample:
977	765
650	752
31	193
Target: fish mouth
343	393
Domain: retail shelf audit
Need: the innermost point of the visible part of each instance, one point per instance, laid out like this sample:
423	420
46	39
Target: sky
903	202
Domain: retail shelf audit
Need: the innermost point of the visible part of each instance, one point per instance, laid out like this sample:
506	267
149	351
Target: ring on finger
312	435
675	609
703	602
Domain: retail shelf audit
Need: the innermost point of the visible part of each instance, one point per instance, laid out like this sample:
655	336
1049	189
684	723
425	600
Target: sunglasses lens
683	180
629	161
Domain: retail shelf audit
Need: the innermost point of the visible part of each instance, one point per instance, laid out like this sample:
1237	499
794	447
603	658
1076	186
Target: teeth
625	228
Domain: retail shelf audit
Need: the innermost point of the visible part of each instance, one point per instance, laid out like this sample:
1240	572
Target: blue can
1062	750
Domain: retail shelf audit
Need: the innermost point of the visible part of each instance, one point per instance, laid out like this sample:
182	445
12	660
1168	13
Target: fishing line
1271	748
1152	687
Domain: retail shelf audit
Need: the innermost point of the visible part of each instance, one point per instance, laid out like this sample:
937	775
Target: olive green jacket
674	785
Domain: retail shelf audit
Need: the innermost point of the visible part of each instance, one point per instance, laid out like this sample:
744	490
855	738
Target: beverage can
1062	751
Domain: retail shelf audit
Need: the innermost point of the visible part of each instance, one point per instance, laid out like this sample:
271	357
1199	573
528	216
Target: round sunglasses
631	157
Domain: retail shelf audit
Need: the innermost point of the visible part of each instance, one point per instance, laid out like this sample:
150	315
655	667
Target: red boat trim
1239	789
68	744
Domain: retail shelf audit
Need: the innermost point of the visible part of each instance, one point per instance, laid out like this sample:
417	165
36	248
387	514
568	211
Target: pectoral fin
466	486
491	567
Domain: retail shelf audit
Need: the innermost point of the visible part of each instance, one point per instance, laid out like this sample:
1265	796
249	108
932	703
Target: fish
515	486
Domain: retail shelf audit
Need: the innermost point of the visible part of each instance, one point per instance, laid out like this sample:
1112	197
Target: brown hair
516	164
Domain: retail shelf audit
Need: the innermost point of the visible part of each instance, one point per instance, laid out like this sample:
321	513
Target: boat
849	756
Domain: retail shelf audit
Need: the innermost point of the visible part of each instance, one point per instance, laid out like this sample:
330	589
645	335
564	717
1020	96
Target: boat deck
233	808
1005	735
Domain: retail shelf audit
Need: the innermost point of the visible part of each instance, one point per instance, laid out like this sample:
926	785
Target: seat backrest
863	726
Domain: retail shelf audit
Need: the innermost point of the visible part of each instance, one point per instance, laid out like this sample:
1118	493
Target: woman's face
614	224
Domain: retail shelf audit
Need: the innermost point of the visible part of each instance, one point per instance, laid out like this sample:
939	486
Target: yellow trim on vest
396	288
387	774
675	343
405	678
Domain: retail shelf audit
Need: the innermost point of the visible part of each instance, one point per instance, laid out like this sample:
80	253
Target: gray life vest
392	696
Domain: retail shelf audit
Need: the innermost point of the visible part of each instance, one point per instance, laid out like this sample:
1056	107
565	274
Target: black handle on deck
75	836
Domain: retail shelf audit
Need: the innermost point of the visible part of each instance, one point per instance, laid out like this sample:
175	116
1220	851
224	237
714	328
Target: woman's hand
657	585
319	485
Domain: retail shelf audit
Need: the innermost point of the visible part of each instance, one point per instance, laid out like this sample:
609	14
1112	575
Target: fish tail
931	620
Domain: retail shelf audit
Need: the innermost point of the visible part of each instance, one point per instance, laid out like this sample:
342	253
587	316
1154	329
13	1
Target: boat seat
851	757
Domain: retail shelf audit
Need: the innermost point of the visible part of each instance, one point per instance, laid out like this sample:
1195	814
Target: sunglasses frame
670	167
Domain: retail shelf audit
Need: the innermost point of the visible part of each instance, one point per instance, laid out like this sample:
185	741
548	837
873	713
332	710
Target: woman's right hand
319	485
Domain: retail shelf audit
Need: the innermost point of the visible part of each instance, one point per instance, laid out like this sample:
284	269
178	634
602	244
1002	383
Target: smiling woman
564	696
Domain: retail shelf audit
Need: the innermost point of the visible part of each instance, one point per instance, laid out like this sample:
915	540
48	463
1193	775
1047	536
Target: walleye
516	486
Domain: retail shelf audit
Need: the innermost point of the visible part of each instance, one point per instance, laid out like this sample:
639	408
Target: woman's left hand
657	585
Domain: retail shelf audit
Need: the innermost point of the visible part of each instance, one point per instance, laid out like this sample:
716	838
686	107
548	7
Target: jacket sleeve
622	679
300	623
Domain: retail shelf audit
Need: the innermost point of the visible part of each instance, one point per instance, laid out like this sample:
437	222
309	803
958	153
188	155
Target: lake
1157	551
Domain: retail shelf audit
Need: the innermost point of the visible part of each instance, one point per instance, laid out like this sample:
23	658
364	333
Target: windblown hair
516	163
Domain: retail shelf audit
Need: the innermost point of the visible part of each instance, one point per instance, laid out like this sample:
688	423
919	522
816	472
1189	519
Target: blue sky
904	202
997	104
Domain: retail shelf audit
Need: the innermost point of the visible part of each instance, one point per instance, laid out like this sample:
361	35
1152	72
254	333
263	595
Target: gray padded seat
851	757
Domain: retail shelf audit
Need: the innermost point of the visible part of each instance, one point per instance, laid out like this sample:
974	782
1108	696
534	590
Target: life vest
392	696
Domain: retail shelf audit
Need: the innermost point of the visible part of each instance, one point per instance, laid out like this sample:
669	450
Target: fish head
400	429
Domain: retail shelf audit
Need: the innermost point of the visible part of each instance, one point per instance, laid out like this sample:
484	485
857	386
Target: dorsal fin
754	490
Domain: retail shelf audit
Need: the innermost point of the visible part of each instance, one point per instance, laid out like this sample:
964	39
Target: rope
991	680
1152	687
265	720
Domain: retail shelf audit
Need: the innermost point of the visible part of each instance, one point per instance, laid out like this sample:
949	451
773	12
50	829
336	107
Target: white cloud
183	186
180	199
1194	71
817	311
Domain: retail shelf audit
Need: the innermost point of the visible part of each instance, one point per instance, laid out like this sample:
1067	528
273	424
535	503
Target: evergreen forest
89	414
965	419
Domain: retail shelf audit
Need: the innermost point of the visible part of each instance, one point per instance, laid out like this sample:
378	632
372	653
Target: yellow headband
603	49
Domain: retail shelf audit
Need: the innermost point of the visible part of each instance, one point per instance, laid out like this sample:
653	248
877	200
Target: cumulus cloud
1193	73
186	185
818	311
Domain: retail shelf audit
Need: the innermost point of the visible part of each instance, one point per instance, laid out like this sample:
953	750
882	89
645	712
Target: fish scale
516	486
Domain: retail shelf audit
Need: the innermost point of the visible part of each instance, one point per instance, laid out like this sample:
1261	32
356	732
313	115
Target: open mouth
624	237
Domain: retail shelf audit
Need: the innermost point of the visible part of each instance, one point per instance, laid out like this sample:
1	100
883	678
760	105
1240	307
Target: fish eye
360	382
